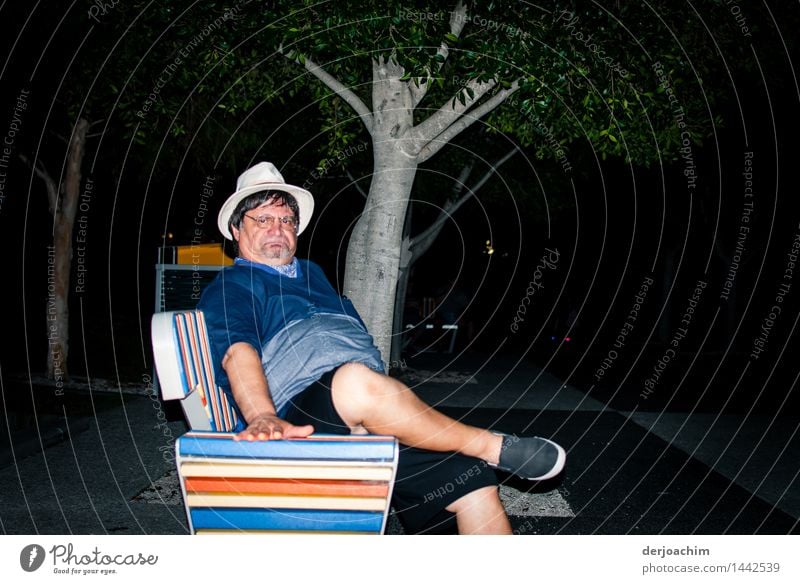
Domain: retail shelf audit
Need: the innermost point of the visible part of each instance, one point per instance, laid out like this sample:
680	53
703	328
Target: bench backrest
186	371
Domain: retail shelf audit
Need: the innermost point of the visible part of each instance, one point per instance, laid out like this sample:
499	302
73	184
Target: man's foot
530	457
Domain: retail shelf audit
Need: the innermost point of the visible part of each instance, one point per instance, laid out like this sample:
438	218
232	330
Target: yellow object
203	254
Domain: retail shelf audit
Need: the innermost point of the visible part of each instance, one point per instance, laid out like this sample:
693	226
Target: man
296	358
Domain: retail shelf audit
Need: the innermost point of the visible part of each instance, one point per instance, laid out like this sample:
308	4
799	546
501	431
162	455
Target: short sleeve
340	304
233	314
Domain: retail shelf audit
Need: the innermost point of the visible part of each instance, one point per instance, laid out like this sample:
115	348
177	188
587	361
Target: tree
74	110
579	71
86	55
412	76
107	79
62	197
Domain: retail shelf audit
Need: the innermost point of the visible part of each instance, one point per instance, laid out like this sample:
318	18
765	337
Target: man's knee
355	378
355	385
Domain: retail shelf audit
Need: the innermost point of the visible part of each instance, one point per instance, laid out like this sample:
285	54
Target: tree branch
458	19
344	92
354	182
478	185
461	181
422	241
465	121
49	184
449	112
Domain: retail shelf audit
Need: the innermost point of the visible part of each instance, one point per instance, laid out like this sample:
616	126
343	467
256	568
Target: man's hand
271	427
250	389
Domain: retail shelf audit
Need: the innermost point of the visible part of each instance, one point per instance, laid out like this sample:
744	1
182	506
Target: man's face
274	245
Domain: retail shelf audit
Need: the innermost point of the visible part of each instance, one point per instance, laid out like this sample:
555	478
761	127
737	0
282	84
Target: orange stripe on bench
286	486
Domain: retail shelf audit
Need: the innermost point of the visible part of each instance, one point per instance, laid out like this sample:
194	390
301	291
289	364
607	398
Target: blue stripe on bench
285	519
319	447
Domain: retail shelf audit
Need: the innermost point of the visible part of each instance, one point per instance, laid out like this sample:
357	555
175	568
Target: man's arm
251	392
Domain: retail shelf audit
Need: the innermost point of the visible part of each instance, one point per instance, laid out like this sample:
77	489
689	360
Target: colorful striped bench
322	484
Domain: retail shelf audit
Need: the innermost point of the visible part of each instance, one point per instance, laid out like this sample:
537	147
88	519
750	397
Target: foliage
586	71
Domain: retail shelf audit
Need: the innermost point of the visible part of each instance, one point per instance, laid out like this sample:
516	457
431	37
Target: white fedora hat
264	177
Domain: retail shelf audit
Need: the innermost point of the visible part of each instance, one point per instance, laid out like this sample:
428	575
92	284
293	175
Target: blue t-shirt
300	327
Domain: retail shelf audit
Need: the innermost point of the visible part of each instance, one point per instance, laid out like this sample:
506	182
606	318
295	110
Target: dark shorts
426	482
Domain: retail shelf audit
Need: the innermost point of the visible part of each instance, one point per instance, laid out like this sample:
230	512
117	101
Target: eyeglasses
267	221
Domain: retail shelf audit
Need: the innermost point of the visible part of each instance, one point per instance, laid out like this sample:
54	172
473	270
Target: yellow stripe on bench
286	502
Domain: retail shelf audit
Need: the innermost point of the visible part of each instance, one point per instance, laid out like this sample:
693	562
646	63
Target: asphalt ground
98	459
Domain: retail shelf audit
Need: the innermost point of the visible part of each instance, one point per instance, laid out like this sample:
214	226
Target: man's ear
235	233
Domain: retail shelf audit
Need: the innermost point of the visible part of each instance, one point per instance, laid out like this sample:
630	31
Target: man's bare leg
383	405
480	513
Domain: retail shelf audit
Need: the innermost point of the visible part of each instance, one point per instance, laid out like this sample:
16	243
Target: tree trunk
60	257
410	251
373	254
399	313
402	289
413	249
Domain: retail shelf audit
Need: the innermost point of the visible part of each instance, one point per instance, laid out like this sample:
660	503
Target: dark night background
621	224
